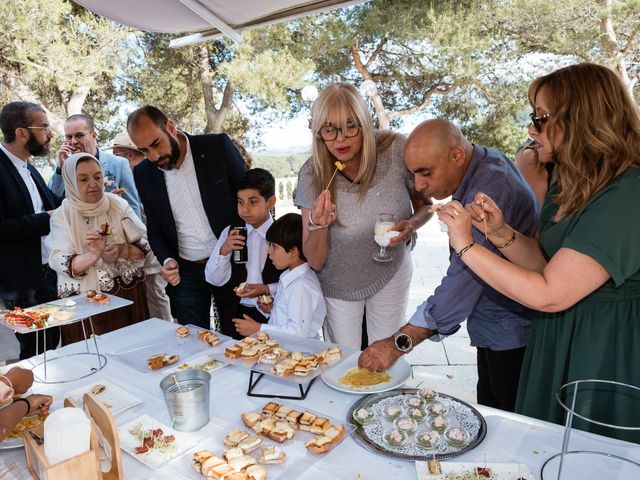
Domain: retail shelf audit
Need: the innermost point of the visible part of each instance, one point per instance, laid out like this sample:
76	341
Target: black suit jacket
20	231
219	168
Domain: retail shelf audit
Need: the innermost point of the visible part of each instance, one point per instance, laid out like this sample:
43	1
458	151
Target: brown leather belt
201	262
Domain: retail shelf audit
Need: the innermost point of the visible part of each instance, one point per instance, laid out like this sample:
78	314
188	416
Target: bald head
438	154
437	135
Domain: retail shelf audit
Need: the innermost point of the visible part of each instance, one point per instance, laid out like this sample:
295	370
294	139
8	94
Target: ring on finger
456	212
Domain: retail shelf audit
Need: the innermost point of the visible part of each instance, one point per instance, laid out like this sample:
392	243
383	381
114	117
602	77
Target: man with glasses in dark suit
25	208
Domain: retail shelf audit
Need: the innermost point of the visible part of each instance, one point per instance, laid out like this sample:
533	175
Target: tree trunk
376	99
612	47
77	98
23	93
215	116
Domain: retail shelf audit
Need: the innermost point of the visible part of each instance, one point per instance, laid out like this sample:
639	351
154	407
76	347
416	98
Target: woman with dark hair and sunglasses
340	216
583	273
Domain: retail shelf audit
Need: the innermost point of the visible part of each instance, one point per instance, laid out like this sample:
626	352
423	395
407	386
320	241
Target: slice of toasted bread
232	352
319	425
333	354
250	444
282	412
335	433
220	471
211	338
272	455
264	426
270	409
171	359
233	453
201	333
249	354
294	418
183	331
199	458
262	336
234	437
281	432
256	472
235	476
319	444
240	463
210	463
251	418
306	421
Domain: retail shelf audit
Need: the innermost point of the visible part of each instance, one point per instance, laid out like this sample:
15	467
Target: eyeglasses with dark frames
329	132
538	120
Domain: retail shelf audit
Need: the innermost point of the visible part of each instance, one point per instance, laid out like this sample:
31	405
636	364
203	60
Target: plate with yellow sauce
346	376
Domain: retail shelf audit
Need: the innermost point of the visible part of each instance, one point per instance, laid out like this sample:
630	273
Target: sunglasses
538	120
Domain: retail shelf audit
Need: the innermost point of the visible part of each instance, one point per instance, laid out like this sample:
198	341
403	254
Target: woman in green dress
583	273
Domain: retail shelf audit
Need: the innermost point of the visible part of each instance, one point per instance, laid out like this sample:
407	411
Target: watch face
403	341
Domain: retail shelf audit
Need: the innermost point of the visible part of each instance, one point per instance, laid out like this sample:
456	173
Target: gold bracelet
464	250
511	240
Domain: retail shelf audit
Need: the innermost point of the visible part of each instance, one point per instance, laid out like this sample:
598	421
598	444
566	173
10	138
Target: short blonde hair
599	128
343	99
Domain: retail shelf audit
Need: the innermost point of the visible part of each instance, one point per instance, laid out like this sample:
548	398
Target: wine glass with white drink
383	234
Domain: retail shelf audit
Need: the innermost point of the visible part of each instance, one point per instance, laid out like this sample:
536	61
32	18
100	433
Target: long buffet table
510	437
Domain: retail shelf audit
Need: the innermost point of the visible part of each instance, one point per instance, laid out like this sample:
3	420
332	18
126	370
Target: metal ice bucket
188	399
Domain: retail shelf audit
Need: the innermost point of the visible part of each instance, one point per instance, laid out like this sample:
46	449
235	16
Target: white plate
153	458
399	372
115	398
500	471
199	363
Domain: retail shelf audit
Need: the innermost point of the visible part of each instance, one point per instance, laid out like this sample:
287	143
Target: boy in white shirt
257	278
299	307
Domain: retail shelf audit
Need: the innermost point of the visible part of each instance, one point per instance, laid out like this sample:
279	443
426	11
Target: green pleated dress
599	337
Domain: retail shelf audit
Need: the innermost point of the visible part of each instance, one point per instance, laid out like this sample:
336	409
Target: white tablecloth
510	437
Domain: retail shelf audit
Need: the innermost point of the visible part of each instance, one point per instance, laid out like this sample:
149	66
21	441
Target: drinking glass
382	235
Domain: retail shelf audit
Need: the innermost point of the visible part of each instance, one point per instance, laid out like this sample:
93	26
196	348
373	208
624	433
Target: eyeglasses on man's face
329	132
46	128
76	136
538	120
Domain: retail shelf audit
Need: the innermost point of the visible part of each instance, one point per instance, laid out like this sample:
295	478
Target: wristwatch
403	341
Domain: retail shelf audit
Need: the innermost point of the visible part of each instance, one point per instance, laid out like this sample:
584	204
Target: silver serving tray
361	437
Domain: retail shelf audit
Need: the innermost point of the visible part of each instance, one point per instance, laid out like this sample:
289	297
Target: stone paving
448	366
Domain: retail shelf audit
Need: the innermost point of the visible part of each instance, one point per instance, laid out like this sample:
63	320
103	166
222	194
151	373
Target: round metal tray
361	437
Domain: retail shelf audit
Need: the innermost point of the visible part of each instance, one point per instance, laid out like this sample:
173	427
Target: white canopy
208	18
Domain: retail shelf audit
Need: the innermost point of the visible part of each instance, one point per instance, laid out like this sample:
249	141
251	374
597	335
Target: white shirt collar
17	161
262	229
289	276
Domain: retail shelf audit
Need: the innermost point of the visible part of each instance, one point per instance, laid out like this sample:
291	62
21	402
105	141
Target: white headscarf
79	217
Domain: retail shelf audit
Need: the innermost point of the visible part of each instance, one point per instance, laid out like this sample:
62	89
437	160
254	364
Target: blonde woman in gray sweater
340	216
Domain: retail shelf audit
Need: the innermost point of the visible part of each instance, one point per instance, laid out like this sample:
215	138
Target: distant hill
284	164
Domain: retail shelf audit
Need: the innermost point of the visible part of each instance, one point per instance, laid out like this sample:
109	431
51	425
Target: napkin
66	434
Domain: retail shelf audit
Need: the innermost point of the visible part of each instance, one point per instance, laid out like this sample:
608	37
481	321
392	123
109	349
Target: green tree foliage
60	55
179	80
428	57
601	31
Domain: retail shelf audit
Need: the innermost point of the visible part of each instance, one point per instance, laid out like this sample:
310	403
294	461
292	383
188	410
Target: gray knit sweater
350	272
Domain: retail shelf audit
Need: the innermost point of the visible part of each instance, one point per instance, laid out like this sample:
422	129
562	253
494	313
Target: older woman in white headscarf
98	243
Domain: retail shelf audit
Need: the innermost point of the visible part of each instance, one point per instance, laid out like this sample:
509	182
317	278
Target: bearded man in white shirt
26	204
188	186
